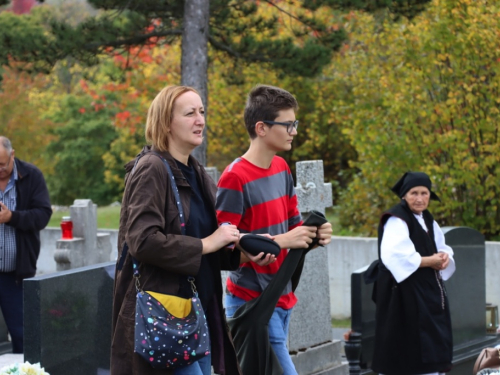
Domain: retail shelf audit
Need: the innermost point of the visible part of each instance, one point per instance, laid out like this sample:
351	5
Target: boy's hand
258	259
297	238
325	234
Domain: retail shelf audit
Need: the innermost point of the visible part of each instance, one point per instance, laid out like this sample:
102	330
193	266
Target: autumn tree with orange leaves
234	28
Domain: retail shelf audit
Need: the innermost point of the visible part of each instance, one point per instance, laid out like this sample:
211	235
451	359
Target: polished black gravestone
467	298
67	320
363	316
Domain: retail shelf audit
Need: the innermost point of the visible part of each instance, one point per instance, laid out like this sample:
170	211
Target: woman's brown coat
149	224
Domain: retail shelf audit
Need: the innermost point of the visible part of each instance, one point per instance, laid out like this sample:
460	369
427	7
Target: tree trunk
194	63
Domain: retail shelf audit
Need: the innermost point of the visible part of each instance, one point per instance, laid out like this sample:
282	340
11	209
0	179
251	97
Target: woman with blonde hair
150	227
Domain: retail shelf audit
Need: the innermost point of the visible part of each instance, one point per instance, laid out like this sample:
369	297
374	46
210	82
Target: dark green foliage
84	136
39	39
406	8
24	40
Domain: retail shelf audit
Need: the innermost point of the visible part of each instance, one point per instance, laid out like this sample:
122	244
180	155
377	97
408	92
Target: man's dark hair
263	103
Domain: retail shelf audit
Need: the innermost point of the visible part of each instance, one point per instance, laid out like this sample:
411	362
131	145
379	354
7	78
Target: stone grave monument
67	320
87	246
310	339
466	295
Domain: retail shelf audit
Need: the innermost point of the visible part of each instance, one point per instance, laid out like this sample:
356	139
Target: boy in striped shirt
256	193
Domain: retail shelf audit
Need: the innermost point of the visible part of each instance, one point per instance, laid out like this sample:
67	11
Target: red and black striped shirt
258	200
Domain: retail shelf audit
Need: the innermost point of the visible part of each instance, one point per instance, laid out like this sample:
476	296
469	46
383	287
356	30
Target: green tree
425	96
319	134
85	134
21	117
237	28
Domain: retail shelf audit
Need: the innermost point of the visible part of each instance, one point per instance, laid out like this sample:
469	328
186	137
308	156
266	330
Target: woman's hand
259	259
446	260
438	261
223	236
246	257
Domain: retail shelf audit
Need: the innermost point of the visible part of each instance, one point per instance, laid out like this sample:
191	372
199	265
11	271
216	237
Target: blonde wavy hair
160	114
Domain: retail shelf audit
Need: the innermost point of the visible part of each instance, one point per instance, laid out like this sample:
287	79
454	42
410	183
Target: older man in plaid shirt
24	210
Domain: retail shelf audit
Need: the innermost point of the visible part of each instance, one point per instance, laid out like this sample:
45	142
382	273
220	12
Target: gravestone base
311	319
69	254
104	247
324	359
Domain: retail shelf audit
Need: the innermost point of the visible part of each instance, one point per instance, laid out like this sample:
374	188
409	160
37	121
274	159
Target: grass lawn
333	217
107	217
341	323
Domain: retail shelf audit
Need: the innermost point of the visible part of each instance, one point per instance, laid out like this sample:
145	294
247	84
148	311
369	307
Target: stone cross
84	216
312	192
87	246
310	338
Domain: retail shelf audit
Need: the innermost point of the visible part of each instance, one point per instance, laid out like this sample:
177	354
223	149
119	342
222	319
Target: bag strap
175	190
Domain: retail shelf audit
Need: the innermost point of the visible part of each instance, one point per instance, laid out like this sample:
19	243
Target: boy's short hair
160	114
263	103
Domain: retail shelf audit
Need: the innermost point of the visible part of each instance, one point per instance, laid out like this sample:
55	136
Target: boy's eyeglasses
289	125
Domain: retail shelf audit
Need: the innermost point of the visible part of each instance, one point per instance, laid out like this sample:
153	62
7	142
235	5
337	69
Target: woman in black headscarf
413	326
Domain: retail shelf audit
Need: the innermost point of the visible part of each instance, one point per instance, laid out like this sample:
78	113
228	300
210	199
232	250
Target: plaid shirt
7	232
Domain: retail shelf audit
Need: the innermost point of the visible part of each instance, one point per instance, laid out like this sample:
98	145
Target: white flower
23	369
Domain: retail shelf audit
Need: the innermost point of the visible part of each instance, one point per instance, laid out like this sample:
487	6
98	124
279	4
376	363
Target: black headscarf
411	180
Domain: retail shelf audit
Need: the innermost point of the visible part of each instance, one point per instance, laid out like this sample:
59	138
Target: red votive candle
67	228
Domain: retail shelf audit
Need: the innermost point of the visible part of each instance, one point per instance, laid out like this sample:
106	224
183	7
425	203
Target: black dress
249	324
413	326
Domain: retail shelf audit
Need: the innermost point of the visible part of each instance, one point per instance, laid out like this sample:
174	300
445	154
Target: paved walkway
10	359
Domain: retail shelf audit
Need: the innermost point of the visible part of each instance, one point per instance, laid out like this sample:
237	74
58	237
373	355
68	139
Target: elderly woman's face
418	199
